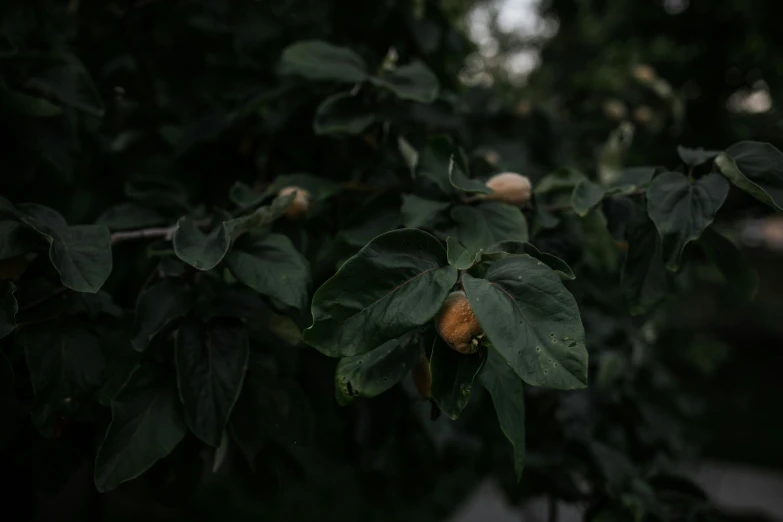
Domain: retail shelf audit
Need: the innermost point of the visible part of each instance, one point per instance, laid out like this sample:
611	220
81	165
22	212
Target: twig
145	233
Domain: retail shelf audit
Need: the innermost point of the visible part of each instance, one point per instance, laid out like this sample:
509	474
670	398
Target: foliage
167	319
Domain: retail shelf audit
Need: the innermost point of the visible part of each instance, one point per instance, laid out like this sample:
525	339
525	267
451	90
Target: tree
246	220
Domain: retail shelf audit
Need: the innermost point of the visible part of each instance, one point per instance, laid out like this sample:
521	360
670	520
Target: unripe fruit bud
422	377
509	187
300	205
457	325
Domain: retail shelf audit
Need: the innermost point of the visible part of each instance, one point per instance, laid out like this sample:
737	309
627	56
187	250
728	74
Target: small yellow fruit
457	325
300	205
509	187
422	377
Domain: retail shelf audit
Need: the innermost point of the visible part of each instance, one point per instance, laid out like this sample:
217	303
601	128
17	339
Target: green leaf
158	192
458	175
508	395
481	226
512	248
418	212
211	364
26	105
452	377
632	179
740	275
396	282
376	371
158	306
200	250
8	308
146	426
435	163
563	179
320	61
414	81
70	83
81	254
695	157
15	240
127	216
271	266
531	320
342	113
756	168
460	257
681	210
645	280
586	196
65	364
243	196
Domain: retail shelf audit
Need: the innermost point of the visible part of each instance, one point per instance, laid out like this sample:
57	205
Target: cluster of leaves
171	326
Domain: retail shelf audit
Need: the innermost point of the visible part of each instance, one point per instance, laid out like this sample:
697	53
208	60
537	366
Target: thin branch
145	233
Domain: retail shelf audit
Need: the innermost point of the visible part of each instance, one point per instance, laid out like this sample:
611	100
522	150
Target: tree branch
165	232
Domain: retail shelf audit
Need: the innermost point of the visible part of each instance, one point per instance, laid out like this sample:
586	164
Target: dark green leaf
695	157
27	105
64	365
735	268
71	84
81	254
481	226
504	248
211	364
243	196
418	212
320	61
146	426
8	308
756	168
586	196
121	361
397	282
634	178
645	280
452	377
531	320
157	306
127	216
271	266
200	250
342	113
158	192
376	371
600	251
508	395
460	257
414	81
559	180
15	240
458	175
682	209
274	409
435	163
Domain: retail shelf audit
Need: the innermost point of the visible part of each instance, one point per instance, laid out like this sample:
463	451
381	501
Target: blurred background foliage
186	98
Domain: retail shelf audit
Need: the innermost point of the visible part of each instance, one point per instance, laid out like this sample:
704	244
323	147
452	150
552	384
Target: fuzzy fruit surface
457	325
300	205
509	187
